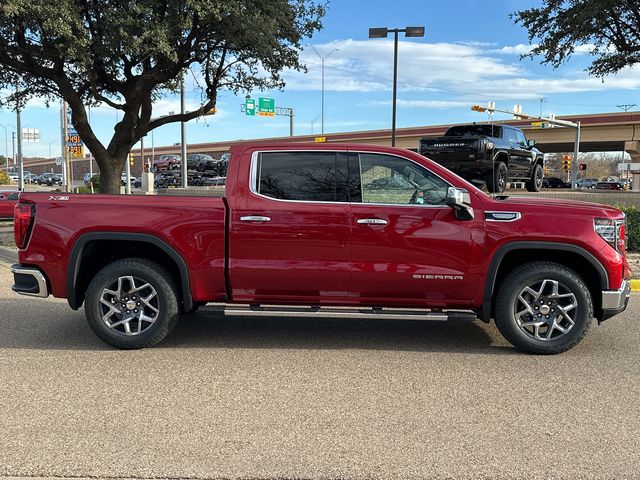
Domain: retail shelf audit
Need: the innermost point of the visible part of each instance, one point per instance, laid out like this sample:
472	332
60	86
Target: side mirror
531	143
460	201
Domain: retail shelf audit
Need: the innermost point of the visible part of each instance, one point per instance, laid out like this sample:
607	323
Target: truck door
290	230
407	245
519	155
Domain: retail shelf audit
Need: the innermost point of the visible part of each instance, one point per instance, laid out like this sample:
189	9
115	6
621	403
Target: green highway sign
250	106
266	107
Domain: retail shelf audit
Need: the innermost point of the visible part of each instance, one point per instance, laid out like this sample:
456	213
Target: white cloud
367	65
421	104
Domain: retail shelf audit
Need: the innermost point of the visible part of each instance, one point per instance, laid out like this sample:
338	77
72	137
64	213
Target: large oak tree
128	53
610	28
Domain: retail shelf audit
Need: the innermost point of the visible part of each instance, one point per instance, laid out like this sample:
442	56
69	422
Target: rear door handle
371	221
255	218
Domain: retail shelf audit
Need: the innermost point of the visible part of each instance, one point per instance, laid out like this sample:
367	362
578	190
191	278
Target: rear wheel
497	180
537	176
543	308
132	303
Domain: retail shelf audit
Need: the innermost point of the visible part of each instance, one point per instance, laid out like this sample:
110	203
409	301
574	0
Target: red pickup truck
328	229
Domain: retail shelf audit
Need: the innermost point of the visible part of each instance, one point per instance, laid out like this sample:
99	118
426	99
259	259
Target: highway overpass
601	132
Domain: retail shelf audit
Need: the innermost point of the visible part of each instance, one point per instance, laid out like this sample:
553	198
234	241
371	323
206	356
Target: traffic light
566	162
547	170
478	108
131	159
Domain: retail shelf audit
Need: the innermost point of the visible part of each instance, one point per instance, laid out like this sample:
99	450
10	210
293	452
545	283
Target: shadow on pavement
51	325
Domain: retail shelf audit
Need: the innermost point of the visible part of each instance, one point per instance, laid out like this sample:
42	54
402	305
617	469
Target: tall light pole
382	32
6	143
626	107
542	100
183	137
322	59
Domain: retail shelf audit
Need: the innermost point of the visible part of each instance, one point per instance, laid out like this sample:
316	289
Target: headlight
611	231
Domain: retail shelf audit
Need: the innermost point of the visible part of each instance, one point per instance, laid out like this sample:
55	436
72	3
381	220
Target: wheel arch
502	156
121	245
572	256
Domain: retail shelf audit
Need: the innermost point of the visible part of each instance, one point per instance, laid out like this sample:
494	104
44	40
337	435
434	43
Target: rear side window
302	176
14	196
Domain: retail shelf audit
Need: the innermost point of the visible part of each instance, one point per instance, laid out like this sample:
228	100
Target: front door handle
371	221
255	218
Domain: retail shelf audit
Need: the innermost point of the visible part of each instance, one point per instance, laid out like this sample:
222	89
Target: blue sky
470	54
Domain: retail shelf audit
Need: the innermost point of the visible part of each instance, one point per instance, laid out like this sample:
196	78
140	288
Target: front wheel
534	184
543	308
497	180
132	303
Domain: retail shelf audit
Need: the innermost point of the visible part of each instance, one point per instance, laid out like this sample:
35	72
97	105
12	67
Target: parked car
166	162
33	178
488	154
8	200
301	227
201	162
587	183
50	179
553	182
609	186
13	176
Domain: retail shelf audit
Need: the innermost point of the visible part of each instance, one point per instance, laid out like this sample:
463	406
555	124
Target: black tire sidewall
167	299
532	185
526	275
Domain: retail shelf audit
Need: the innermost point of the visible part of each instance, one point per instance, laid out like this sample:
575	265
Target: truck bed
192	226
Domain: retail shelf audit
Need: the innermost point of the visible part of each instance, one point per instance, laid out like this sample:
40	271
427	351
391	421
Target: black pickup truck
488	154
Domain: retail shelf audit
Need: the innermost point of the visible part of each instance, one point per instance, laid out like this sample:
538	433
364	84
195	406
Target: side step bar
340	312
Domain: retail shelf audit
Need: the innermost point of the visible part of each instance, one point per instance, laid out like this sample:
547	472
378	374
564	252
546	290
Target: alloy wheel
546	310
129	306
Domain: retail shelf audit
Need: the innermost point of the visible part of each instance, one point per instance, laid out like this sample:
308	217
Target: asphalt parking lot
291	398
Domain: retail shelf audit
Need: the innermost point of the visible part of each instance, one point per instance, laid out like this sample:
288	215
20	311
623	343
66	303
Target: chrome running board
340	312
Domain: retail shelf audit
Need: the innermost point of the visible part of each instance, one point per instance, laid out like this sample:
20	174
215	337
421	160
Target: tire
115	278
497	180
519	289
535	182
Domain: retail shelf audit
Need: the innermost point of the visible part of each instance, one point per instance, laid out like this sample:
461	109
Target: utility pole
67	159
322	60
542	100
626	107
183	137
20	161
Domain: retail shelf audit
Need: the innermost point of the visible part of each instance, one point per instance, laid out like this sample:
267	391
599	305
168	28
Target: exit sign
250	106
266	107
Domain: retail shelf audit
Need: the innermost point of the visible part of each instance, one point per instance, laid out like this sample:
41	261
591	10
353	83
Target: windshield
474	130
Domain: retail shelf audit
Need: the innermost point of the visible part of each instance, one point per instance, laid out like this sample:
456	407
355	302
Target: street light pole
183	139
626	107
322	60
382	32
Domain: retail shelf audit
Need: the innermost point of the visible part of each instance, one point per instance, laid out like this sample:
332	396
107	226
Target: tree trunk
110	172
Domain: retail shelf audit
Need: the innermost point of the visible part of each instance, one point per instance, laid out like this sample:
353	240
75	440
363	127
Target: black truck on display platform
488	154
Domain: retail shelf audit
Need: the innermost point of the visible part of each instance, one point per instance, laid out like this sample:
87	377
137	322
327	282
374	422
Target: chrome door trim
255	218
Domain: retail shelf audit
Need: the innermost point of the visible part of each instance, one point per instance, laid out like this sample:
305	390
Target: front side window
302	176
522	140
393	180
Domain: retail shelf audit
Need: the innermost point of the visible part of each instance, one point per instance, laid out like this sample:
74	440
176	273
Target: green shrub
633	228
4	178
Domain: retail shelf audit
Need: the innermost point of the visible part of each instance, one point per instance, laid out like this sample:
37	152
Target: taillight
23	216
611	231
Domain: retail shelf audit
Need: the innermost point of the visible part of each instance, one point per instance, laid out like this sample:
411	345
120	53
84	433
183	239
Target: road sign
30	135
266	107
250	107
582	167
320	139
58	161
75	151
538	125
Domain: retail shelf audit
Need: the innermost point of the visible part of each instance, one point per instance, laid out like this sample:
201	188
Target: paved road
321	398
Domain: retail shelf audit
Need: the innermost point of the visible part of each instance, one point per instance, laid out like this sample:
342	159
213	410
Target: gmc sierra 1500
366	230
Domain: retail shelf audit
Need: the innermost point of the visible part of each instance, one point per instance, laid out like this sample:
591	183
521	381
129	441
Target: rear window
474	130
302	176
